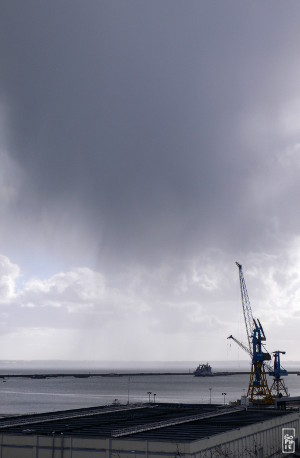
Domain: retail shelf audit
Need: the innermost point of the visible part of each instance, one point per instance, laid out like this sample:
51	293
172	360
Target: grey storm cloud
128	114
149	144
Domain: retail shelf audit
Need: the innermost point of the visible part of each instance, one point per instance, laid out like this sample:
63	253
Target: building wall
262	440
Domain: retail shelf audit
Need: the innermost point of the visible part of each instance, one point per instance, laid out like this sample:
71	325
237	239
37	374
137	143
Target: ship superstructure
203	370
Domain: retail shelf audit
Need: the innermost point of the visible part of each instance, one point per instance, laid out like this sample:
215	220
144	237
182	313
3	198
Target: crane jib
247	311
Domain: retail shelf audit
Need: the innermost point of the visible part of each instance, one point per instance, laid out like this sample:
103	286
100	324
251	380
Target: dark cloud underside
127	115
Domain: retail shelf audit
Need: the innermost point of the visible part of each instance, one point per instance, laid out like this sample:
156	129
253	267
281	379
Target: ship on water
203	370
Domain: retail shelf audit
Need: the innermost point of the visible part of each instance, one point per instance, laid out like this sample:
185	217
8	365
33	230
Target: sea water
26	395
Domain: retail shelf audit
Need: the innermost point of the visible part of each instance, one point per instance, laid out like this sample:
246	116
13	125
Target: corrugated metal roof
171	421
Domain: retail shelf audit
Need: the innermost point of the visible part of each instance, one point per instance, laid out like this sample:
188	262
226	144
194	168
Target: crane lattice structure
258	390
258	386
278	388
247	311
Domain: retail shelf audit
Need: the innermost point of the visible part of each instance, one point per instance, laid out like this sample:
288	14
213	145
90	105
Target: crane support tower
278	388
258	390
258	386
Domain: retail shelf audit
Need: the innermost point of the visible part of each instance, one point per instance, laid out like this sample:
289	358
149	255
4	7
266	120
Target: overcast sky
145	146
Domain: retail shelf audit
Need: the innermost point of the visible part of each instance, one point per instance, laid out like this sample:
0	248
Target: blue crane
258	386
258	390
278	388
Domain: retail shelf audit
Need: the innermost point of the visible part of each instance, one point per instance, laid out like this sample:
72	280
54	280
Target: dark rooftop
153	422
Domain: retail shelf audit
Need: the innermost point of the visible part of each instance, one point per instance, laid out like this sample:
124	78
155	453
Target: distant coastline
127	367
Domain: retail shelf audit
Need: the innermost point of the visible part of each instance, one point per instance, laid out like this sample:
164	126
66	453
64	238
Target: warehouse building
148	431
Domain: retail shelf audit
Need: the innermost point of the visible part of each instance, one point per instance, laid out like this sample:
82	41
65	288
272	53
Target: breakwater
110	374
122	374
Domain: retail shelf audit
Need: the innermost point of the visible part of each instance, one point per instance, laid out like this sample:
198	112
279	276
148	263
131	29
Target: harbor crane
258	390
258	387
278	388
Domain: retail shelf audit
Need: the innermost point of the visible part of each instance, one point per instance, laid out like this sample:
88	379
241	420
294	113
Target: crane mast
247	311
258	389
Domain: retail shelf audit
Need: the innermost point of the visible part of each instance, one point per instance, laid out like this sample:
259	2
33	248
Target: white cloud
79	286
9	274
158	305
80	290
155	310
